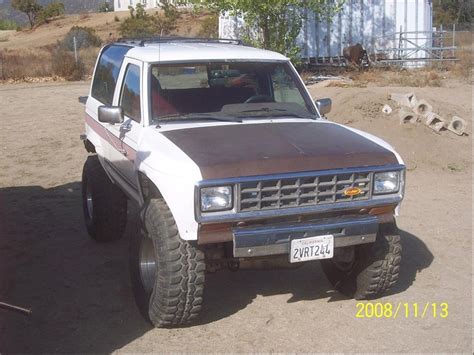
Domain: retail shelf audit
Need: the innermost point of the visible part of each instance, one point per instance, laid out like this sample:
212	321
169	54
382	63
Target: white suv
231	162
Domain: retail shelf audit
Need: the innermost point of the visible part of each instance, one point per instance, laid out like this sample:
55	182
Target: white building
373	23
122	5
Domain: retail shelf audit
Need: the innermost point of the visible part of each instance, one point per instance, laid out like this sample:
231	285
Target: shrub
85	37
106	7
6	25
210	27
64	64
140	24
50	11
167	22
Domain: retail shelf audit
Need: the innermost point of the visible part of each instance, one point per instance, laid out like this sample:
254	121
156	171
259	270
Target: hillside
105	25
72	7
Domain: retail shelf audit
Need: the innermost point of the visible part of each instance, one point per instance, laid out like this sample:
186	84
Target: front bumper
276	239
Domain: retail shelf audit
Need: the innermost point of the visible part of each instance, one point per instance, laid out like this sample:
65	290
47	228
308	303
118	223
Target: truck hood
226	151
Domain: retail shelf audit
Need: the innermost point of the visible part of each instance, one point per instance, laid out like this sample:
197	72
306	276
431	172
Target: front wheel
373	269
167	272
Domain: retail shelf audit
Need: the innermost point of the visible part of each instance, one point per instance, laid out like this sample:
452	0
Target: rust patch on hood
270	148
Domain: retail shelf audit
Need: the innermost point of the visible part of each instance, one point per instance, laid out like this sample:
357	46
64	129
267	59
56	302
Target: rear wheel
167	272
104	204
373	269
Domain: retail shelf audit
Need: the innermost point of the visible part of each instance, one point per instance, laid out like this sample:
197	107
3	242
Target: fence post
400	43
1	63
454	40
75	48
442	43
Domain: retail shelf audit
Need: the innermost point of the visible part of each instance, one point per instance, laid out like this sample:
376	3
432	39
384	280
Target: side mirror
83	99
111	114
324	106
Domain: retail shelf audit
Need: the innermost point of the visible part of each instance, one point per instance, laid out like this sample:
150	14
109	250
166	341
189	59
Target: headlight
386	183
216	198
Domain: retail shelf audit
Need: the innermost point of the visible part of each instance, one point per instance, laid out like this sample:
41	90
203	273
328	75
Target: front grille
303	191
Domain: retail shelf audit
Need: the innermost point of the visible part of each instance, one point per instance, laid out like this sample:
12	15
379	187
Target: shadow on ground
80	292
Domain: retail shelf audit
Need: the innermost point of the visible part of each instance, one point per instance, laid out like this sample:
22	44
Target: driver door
130	98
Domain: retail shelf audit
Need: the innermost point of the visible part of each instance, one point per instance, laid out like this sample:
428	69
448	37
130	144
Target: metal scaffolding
418	48
407	49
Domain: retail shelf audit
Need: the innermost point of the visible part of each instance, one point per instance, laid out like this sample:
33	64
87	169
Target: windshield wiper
274	112
265	109
200	116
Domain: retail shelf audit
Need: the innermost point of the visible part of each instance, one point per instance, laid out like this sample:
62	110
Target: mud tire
176	294
375	268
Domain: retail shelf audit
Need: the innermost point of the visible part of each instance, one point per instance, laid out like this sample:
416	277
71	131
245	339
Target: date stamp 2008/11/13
402	310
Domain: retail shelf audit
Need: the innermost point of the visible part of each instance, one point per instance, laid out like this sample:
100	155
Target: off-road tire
104	204
374	270
178	286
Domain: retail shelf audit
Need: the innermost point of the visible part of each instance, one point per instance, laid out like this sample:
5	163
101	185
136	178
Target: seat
159	105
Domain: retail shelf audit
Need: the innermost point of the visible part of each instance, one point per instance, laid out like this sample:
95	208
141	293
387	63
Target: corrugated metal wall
373	23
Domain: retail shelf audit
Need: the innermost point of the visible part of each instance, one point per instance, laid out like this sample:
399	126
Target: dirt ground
80	291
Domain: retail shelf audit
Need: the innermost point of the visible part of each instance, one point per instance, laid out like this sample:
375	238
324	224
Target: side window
106	74
130	100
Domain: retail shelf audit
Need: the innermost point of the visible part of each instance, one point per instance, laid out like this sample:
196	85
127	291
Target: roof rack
142	41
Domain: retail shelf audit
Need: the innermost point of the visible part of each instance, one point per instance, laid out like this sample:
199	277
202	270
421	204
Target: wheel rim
147	263
89	201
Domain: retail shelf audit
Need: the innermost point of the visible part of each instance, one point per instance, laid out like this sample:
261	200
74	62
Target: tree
141	25
53	9
273	24
210	26
169	20
30	7
453	11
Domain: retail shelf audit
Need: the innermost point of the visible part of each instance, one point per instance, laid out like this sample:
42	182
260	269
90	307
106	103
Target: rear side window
107	72
130	100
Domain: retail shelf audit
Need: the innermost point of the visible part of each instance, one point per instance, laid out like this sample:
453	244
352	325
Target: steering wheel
258	98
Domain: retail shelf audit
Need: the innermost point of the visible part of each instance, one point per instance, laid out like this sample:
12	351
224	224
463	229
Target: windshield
227	92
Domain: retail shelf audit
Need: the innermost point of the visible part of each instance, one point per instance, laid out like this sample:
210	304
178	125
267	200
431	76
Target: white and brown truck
231	161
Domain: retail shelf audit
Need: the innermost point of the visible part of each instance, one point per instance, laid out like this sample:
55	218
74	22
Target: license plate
313	248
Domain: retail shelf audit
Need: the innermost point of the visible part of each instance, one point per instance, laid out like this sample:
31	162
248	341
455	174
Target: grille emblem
352	191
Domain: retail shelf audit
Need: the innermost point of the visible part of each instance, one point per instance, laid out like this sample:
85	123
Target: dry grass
410	78
24	64
17	64
463	68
